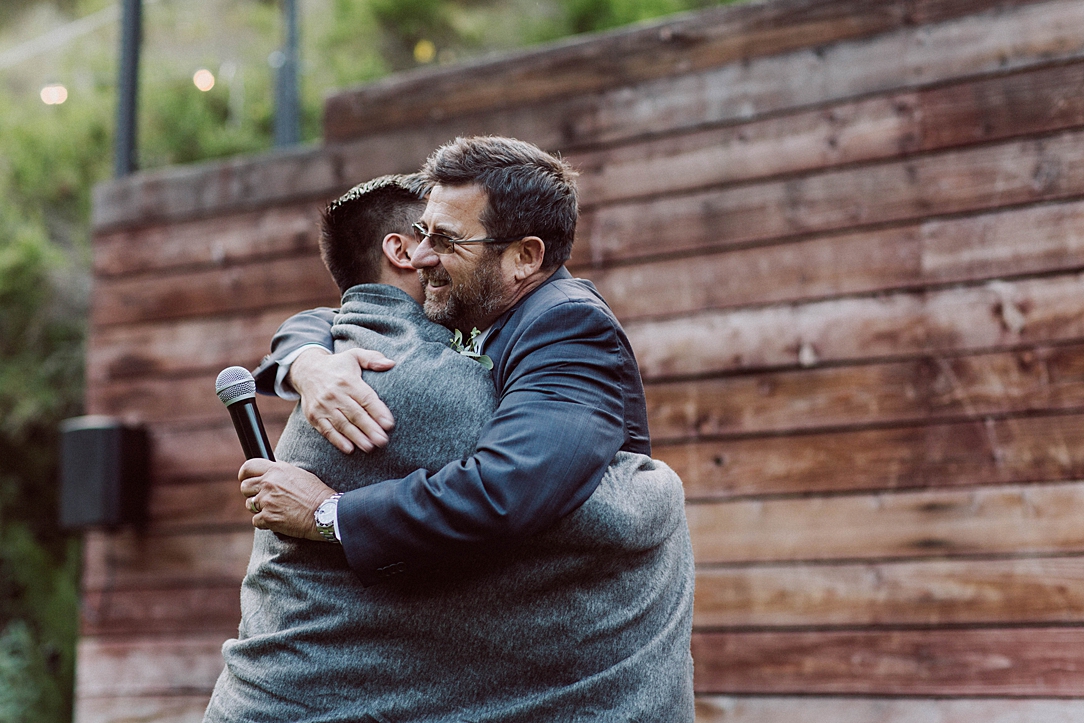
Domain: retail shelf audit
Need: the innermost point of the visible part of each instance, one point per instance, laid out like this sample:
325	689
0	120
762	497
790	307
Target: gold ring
253	505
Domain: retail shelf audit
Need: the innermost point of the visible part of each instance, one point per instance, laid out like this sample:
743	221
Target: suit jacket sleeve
308	327
558	424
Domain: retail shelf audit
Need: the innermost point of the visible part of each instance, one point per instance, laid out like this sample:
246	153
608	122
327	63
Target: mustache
435	273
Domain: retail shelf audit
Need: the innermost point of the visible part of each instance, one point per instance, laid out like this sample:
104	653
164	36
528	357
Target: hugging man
567	534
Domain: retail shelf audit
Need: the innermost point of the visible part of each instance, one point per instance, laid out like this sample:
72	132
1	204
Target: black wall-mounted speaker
104	469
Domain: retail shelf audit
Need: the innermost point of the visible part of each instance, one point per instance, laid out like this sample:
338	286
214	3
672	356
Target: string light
204	79
54	94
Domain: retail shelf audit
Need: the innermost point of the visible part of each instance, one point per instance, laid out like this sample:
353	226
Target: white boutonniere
469	348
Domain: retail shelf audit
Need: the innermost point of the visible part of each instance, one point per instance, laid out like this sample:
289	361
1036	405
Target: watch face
325	514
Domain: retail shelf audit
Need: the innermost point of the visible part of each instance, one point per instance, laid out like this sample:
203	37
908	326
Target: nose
424	255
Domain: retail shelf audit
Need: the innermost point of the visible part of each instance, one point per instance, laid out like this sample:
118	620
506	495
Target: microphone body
236	388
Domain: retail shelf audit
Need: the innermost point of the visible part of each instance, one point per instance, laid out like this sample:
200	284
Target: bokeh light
54	94
425	51
204	79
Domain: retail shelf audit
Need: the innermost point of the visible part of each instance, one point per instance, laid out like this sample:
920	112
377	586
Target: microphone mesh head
234	384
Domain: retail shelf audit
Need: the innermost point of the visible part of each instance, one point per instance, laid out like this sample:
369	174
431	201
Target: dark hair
354	226
528	191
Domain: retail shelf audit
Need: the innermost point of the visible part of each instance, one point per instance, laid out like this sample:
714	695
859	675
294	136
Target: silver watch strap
328	531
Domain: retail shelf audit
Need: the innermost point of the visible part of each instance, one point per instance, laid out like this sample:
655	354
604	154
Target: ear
527	257
397	251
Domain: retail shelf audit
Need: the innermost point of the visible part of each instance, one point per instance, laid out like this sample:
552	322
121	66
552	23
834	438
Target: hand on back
337	401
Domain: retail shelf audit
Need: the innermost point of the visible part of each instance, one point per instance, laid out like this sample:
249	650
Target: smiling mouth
435	280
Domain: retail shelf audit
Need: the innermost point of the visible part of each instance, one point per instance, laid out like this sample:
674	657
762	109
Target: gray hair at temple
355	224
529	192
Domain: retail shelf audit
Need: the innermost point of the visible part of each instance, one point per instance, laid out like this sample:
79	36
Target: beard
467	304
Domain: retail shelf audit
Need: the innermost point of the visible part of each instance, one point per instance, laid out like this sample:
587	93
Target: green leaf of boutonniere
469	348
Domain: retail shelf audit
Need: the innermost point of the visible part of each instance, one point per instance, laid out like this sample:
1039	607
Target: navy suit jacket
569	398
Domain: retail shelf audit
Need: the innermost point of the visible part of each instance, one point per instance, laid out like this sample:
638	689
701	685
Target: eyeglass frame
452	242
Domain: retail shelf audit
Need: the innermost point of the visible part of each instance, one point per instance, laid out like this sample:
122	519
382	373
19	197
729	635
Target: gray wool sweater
589	620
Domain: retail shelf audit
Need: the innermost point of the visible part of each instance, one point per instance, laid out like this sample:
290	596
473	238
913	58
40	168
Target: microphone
236	388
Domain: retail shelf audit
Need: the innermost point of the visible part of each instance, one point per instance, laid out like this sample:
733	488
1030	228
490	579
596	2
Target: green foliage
50	157
182	124
469	347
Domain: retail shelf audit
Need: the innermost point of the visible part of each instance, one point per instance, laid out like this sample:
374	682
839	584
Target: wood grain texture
1015	242
302	280
584	66
200	505
1040	662
185	453
927	593
148	666
140	708
284	230
171	399
996	314
1037	519
885	126
161	348
973	179
985	452
921	390
140	560
200	609
807	709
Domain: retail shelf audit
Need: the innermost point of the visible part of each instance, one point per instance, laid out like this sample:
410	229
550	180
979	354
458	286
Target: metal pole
124	160
287	112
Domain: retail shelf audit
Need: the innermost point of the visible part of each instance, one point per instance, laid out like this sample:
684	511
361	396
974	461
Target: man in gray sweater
579	621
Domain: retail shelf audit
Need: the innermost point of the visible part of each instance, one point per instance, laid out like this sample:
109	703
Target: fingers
371	360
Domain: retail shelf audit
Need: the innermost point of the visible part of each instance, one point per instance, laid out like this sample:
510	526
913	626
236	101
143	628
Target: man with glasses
494	238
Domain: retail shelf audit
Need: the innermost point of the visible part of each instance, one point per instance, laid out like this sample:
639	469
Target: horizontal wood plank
128	709
301	280
1036	519
914	56
148	666
970	111
987	316
1022	662
899	191
158	611
132	559
198	505
284	230
588	65
991	451
185	452
817	709
183	346
927	593
171	399
1031	240
956	181
924	389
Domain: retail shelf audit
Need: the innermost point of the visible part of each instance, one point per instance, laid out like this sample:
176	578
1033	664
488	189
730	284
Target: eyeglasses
443	244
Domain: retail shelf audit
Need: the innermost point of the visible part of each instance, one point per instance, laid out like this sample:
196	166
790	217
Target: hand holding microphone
281	497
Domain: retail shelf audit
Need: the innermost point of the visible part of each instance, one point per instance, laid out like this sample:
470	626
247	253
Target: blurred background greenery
51	155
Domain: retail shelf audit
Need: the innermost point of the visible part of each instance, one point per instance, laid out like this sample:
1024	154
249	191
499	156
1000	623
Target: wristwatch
325	518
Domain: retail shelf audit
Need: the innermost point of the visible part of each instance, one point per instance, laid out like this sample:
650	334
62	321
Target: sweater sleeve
302	329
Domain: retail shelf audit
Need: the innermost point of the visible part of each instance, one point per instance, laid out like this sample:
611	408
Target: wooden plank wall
847	240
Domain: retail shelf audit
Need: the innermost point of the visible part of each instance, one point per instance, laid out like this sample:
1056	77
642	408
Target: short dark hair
354	225
529	192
